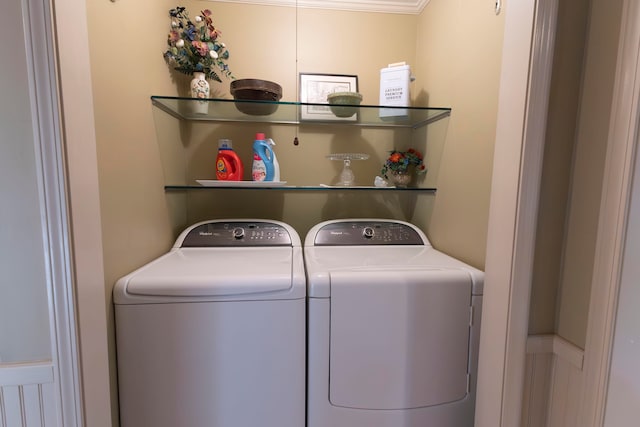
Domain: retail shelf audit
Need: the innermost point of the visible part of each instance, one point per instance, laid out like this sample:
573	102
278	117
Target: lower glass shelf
297	188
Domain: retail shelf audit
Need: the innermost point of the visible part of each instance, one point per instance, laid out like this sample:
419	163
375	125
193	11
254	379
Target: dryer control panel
359	233
237	234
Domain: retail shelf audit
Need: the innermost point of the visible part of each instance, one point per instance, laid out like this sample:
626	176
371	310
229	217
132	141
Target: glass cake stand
347	178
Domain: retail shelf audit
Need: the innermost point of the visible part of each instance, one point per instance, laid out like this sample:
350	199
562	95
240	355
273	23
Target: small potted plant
195	48
398	167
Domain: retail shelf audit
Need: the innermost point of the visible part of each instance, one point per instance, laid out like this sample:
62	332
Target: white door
623	398
38	369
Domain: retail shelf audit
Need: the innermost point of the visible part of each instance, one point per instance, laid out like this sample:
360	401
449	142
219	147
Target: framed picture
314	89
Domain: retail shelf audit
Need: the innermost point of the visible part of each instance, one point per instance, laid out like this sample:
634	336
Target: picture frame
314	89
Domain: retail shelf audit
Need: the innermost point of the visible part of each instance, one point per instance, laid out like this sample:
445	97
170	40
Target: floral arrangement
195	46
400	161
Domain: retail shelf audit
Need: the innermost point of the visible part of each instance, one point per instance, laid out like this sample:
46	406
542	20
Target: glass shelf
299	188
228	110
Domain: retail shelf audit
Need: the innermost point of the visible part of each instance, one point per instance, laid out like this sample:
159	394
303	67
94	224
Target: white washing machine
393	328
213	332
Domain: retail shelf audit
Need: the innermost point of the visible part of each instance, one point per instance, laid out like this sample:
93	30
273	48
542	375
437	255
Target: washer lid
213	272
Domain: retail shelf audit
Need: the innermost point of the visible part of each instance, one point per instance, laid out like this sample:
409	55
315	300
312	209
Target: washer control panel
359	233
239	234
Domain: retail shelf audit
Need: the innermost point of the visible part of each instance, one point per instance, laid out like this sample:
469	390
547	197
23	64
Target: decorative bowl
343	104
256	90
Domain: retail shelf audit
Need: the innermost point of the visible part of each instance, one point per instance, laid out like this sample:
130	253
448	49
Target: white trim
554	344
540	344
522	111
50	169
29	395
553	382
542	54
614	206
76	108
412	7
26	373
568	352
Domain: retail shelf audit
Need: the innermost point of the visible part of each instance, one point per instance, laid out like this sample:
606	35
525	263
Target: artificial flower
195	46
401	161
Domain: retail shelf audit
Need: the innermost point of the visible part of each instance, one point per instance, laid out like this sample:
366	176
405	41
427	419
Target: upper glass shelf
231	186
228	110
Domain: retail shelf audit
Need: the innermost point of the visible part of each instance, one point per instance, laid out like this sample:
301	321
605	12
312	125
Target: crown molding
384	6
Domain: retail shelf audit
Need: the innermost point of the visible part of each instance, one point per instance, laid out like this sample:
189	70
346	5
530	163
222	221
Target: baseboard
553	382
541	344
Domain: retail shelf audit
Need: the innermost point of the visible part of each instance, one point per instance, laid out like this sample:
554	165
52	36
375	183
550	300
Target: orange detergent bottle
228	165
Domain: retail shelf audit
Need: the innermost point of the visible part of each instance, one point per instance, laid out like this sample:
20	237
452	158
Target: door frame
58	380
511	233
76	113
517	170
624	132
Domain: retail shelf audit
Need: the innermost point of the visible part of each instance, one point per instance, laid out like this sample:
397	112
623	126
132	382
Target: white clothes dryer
213	332
393	328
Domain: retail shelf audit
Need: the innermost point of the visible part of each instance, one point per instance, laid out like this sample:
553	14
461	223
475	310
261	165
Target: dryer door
399	339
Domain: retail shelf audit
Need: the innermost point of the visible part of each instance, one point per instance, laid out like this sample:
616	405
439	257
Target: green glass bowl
344	104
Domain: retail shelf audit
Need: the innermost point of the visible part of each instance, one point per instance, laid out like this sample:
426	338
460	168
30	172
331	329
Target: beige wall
129	155
441	45
588	164
458	62
566	84
577	130
343	49
126	40
453	47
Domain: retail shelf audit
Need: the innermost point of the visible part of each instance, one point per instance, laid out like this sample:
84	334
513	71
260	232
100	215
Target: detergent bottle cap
225	144
260	136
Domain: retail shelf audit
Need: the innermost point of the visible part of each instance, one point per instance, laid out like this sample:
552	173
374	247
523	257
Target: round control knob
238	233
368	233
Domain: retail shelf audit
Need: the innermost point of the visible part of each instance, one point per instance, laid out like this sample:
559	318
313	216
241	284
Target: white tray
217	183
373	187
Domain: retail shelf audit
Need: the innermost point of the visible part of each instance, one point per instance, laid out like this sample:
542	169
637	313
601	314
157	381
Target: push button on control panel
368	233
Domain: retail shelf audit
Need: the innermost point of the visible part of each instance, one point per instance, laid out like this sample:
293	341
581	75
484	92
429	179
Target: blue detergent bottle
265	165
